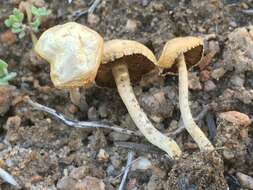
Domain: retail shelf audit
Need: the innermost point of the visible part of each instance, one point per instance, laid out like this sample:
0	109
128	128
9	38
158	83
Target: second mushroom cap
139	58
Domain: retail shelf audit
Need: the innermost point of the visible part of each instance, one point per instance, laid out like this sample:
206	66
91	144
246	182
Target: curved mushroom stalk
196	133
121	76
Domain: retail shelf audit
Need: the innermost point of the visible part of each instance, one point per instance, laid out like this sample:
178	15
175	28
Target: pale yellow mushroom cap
191	47
138	57
74	53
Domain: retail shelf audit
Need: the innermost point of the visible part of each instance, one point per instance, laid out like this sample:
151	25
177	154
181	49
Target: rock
103	156
194	82
72	108
13	122
218	73
131	25
8	37
214	46
92	114
158	6
115	160
5	99
141	163
233	136
110	170
238	50
228	155
115	136
102	110
245	180
237	81
132	184
209	86
89	183
79	173
66	183
155	103
93	19
233	24
186	172
204	75
155	183
236	118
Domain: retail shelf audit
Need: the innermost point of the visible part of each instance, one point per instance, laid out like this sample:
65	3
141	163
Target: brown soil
42	153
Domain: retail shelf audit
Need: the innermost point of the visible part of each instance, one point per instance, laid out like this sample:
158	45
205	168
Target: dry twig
128	166
79	124
8	178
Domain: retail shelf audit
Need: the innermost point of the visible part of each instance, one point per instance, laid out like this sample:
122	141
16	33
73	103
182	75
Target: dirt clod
200	170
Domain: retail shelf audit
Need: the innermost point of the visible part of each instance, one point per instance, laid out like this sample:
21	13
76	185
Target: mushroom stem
121	76
192	128
75	96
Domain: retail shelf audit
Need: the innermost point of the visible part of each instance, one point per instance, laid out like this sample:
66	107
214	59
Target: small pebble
8	38
13	122
102	111
218	73
245	180
115	136
66	183
5	99
89	183
204	75
141	163
194	83
92	114
93	19
158	6
103	156
79	173
72	108
131	25
237	81
209	86
228	154
214	46
236	118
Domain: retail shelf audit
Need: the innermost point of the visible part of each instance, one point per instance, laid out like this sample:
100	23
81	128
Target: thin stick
124	178
93	6
192	128
79	124
8	178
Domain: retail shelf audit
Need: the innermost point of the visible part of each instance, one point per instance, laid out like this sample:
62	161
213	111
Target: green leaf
35	24
8	77
3	68
3	64
18	14
40	12
16	30
8	23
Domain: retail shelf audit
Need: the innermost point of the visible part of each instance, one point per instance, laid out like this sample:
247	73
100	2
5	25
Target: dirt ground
41	153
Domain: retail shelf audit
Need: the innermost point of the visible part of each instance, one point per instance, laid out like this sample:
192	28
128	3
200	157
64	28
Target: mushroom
177	55
124	60
74	53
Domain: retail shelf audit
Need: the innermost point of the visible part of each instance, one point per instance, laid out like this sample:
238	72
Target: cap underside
192	58
138	65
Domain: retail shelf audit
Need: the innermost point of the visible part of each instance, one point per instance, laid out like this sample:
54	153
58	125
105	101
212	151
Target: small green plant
5	76
15	21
